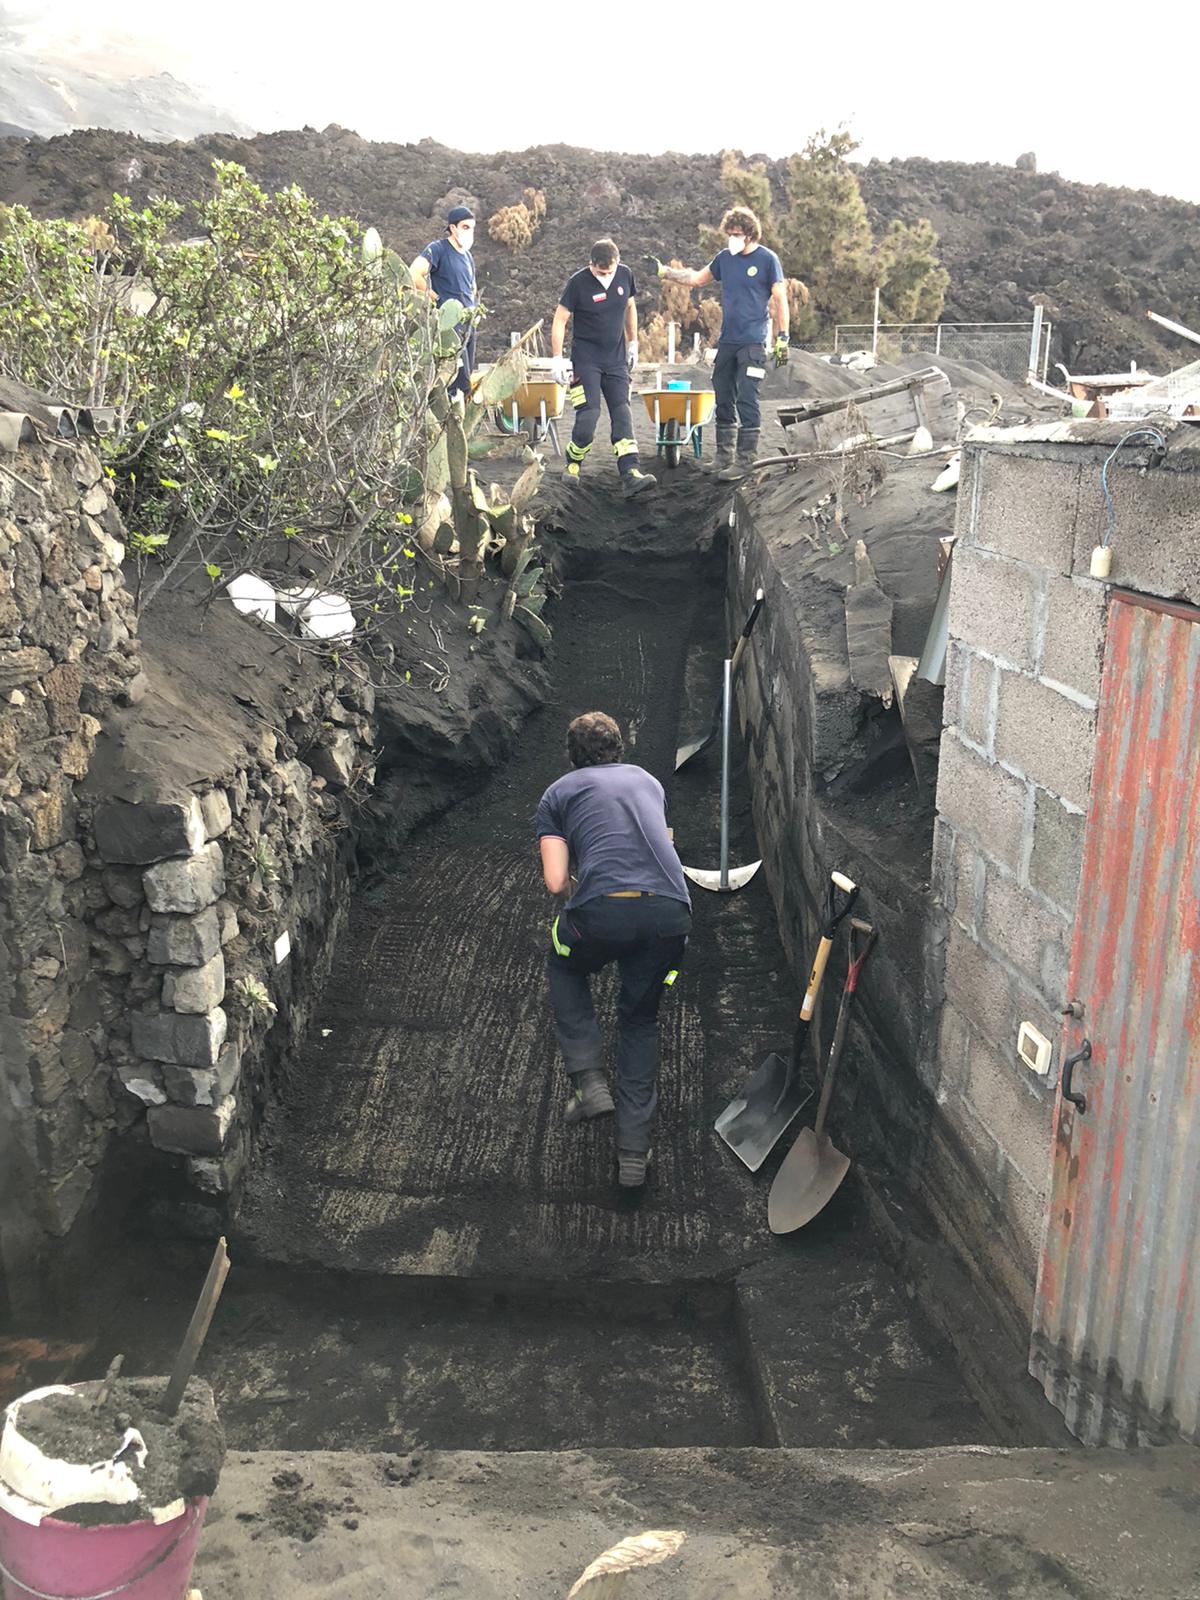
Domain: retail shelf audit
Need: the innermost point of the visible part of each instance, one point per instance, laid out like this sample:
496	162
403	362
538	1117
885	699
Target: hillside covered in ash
1100	257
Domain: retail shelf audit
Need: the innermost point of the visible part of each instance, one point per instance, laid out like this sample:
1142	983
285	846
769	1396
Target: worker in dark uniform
630	905
446	270
753	303
604	351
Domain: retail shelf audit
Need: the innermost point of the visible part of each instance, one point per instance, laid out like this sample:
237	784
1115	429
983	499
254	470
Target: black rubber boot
635	481
591	1096
726	440
747	452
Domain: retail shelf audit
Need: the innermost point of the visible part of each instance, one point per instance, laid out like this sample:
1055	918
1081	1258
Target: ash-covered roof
26	415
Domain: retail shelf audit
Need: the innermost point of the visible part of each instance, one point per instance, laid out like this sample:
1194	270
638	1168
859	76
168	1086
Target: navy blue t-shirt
614	819
451	272
598	314
746	281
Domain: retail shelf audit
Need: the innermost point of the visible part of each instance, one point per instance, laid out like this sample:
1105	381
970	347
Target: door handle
1079	1101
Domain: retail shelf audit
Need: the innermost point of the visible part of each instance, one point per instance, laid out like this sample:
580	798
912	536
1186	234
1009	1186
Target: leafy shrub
273	388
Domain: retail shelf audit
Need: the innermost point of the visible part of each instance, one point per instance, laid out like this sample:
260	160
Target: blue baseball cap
460	214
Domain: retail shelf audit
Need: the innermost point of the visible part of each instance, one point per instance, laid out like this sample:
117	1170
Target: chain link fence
1004	347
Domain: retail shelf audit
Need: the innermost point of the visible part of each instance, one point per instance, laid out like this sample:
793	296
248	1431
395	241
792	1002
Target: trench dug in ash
440	1259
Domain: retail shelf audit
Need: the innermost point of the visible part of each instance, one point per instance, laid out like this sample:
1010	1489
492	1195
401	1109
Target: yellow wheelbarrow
535	408
678	416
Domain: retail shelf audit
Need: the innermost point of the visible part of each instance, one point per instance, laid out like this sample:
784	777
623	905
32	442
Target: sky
1087	89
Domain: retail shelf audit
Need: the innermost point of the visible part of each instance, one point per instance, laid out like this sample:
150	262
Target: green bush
271	380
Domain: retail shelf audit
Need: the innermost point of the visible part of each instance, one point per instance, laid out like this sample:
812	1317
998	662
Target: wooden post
193	1339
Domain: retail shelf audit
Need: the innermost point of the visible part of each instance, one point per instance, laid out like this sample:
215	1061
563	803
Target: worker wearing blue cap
446	270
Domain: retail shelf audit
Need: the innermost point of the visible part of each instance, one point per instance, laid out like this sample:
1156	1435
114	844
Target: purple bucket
54	1560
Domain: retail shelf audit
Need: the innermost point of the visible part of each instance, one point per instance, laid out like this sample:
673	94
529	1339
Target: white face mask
604	277
736	244
465	238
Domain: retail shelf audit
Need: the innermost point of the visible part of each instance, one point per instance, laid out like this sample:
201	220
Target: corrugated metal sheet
1116	1340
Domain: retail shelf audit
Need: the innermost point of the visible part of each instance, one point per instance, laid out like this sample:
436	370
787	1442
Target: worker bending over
604	352
446	270
630	905
753	303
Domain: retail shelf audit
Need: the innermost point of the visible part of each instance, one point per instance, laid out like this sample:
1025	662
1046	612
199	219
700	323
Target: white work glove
560	370
631	354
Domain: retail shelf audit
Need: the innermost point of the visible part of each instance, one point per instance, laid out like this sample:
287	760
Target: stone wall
818	807
1027	628
68	652
229	896
158	956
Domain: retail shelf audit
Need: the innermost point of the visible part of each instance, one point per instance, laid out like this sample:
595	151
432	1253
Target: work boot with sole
726	440
635	481
747	452
747	449
631	1168
591	1096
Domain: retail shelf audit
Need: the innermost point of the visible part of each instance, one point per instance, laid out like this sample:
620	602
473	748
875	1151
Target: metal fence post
937	343
875	331
1035	342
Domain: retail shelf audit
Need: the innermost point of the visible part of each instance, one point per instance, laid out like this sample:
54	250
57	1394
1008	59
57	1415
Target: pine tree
824	239
913	283
825	236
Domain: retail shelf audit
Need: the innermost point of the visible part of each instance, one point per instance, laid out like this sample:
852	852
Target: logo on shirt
751	272
620	288
603	295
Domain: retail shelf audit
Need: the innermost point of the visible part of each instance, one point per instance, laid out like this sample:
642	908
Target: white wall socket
1034	1049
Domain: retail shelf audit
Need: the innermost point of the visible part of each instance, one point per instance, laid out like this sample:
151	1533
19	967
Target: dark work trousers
462	378
737	373
598	379
646	937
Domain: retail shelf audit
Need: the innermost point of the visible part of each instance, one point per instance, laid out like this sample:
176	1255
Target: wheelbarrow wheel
672	443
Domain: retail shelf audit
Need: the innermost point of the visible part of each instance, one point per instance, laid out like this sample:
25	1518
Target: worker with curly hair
754	308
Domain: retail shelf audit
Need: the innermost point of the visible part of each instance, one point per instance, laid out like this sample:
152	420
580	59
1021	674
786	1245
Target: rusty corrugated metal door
1116	1340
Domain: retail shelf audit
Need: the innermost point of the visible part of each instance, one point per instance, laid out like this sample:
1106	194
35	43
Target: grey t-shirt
614	819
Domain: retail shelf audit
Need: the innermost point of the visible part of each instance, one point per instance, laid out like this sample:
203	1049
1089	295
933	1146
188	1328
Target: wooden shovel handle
747	630
189	1351
808	1005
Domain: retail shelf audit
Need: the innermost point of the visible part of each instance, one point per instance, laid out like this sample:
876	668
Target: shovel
813	1169
724	881
773	1096
693	748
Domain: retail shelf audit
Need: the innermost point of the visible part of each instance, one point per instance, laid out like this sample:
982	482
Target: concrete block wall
1027	630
